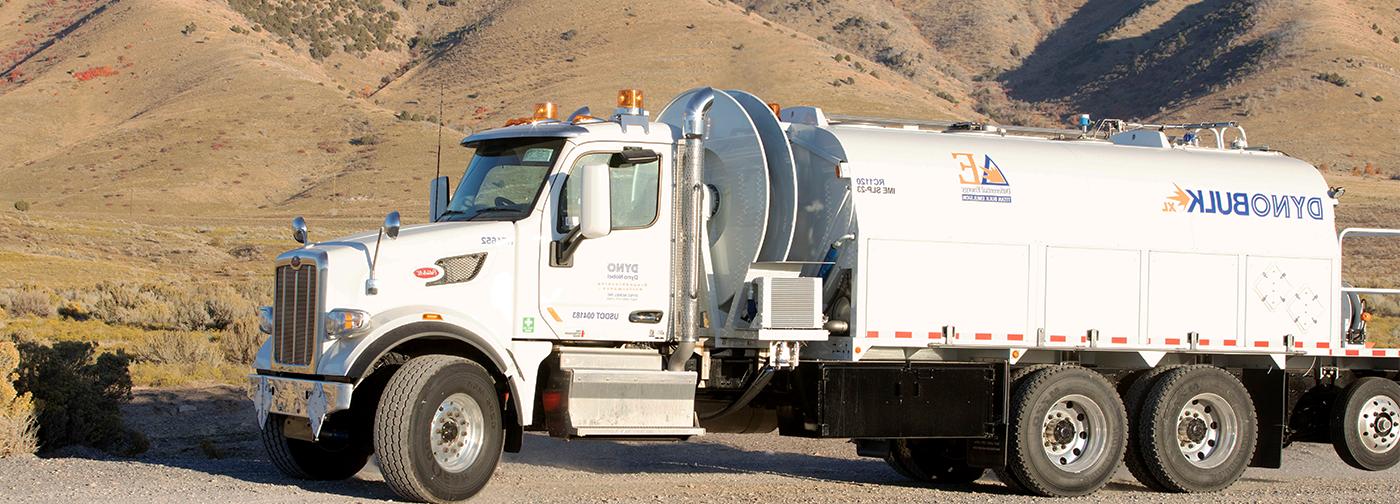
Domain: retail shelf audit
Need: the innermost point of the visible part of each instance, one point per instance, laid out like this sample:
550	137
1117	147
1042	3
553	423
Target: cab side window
634	189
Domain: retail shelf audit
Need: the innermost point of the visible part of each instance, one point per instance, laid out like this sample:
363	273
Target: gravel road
717	468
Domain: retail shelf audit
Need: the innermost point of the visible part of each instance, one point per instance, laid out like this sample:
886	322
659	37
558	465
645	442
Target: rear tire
1017	378
438	429
1364	424
304	459
1133	401
1198	429
1067	432
940	461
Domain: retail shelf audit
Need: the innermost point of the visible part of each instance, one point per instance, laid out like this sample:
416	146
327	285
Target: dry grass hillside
168	142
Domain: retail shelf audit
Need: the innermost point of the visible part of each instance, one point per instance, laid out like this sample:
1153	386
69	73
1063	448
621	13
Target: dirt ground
715	468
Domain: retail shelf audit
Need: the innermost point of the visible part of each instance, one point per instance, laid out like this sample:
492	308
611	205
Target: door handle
645	317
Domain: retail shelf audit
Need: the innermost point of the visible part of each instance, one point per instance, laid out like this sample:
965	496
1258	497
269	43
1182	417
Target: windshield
504	179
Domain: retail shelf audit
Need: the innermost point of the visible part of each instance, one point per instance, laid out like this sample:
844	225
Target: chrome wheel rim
457	432
1073	433
1206	430
1377	424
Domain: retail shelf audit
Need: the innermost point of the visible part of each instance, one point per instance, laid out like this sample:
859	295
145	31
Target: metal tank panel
824	206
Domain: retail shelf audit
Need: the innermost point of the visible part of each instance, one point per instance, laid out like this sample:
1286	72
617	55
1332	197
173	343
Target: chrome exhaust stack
687	207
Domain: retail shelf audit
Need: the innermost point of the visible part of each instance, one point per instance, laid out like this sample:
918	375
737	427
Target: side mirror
438	198
596	218
391	225
299	230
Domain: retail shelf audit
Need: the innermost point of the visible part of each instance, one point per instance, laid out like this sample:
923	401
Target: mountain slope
147	108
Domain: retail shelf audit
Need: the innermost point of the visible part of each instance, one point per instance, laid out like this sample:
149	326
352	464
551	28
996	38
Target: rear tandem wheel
1197	429
1066	432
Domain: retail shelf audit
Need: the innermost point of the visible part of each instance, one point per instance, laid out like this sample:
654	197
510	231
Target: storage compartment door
1189	293
913	289
1286	296
1090	289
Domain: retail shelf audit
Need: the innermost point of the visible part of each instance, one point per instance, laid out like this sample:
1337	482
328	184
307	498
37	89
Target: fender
389	340
420	330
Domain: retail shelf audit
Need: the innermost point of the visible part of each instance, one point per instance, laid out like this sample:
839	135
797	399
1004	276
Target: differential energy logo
987	182
1243	204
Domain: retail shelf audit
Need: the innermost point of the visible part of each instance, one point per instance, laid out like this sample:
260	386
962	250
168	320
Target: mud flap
1268	388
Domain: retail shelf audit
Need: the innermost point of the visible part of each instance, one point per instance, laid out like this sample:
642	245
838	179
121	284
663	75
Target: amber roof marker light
629	99
546	110
629	110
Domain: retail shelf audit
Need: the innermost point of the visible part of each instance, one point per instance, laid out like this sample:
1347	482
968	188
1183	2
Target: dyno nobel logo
985	182
1243	204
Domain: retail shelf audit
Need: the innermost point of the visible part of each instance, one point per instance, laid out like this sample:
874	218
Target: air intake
458	269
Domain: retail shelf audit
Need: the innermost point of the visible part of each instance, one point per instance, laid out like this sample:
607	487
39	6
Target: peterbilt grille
296	311
459	269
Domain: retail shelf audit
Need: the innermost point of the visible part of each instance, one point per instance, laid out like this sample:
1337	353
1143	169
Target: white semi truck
954	298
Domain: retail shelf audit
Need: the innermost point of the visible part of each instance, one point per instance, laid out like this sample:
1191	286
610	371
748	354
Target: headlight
265	319
342	322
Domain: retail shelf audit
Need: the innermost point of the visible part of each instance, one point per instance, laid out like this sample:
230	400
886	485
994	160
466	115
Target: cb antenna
441	119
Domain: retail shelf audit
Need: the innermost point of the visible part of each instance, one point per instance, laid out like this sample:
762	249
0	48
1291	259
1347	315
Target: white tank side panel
1288	296
1089	289
913	288
1189	293
1210	208
986	188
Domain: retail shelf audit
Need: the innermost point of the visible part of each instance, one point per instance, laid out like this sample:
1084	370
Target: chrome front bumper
308	399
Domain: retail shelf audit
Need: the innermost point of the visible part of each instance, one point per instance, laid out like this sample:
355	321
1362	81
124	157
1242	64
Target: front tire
438	429
1198	429
1067	432
304	459
1364	424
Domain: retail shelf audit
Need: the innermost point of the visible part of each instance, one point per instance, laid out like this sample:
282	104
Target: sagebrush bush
31	302
1383	306
78	394
166	306
241	341
177	347
18	430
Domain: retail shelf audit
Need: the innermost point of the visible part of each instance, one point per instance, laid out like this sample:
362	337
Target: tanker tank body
1014	241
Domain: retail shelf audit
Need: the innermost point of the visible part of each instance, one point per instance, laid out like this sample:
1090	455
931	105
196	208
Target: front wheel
438	429
304	459
1366	424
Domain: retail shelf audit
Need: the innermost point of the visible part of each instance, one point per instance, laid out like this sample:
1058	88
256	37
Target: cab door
616	287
